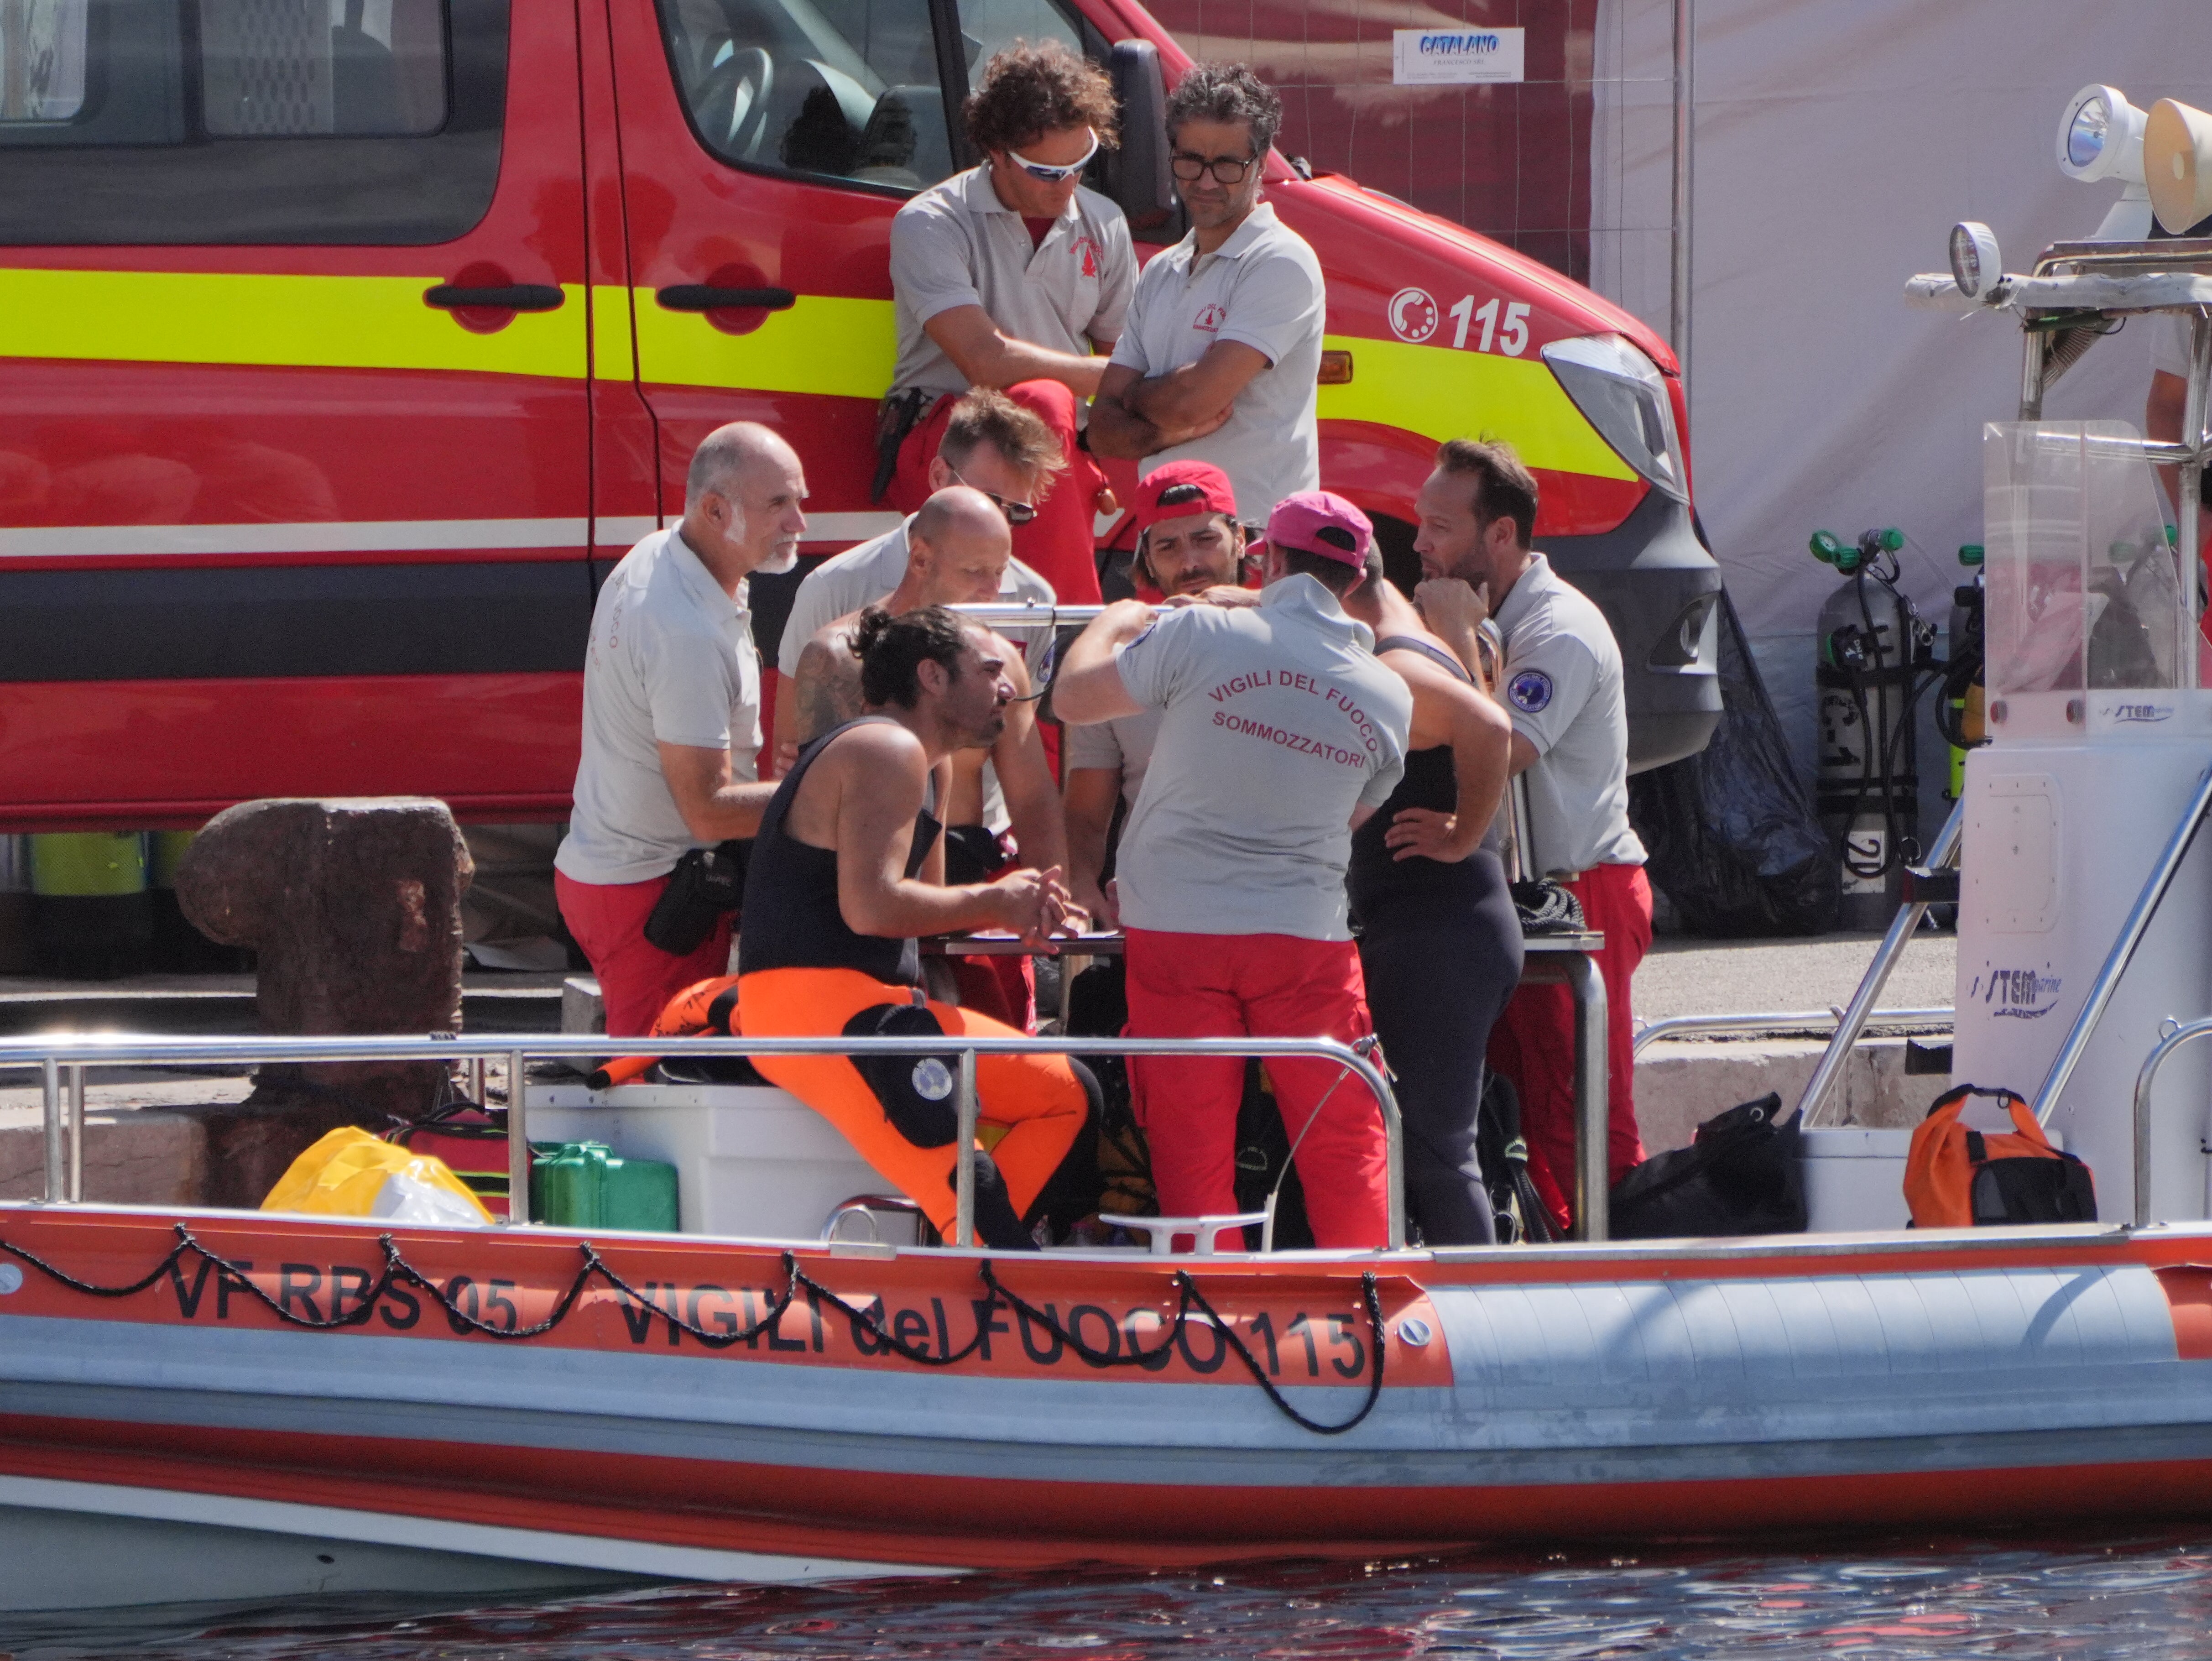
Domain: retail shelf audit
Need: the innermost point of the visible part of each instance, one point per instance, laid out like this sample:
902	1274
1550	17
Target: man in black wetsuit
847	870
1439	941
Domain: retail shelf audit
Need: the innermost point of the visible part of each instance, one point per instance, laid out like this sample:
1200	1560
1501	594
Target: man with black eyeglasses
1219	352
1013	276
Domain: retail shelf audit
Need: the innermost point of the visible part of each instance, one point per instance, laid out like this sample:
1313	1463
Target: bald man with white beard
671	718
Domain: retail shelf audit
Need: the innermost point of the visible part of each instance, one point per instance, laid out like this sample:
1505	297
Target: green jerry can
583	1186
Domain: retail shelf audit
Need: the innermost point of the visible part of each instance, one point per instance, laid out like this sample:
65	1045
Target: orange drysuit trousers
1037	1099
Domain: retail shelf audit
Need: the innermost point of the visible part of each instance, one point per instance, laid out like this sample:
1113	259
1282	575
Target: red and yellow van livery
347	346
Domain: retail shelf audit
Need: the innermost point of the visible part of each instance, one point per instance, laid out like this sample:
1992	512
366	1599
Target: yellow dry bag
350	1173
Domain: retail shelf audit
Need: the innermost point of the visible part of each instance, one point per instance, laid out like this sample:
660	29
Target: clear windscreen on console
2083	591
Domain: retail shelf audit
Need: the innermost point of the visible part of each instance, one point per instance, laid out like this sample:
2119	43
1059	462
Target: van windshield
845	87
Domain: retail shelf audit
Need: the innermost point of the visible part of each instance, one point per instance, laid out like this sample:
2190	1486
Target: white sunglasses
1050	173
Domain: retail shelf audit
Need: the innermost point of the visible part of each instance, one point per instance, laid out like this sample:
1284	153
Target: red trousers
1534	1043
1276	986
1059	545
636	977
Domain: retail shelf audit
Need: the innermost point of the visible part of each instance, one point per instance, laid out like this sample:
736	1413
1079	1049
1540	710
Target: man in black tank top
846	872
1439	941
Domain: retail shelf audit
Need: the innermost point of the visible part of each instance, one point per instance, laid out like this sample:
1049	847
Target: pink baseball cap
1322	522
1196	487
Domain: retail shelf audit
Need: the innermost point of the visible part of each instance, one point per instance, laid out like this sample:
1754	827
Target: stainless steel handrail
2181	1035
1801	1020
1942	856
1013	615
51	1052
2132	929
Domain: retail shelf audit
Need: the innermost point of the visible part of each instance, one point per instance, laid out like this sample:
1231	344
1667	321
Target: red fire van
347	343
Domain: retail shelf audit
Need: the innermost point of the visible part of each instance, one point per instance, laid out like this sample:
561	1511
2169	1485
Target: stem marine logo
2141	712
2020	994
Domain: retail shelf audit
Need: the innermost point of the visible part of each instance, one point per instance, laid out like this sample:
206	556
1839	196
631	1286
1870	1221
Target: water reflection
2142	1596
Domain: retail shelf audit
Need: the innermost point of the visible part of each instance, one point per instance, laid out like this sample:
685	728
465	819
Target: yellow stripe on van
825	344
612	357
254	317
1440	393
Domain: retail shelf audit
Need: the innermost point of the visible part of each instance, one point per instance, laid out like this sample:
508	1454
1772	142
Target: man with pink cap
1189	541
1280	733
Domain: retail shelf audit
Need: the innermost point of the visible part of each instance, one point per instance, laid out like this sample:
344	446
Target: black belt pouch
706	884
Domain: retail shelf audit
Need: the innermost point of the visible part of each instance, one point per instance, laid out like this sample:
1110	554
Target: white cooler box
750	1161
1854	1178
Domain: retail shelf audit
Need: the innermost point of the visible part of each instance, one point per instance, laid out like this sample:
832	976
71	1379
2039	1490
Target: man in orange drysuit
846	871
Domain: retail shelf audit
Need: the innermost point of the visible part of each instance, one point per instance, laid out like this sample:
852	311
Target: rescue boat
250	1405
247	1403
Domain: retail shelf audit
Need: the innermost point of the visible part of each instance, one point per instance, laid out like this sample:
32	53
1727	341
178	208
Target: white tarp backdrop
1835	147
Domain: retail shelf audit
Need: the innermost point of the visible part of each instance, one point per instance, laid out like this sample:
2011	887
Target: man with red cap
1280	733
1189	541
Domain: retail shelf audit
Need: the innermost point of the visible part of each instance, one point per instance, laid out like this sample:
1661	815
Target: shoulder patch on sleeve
1530	691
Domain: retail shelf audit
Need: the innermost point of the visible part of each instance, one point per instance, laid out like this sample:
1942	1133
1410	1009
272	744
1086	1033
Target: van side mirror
1137	175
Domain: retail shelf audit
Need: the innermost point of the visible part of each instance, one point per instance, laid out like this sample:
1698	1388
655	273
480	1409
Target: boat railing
2174	1035
63	1059
1792	1020
1943	856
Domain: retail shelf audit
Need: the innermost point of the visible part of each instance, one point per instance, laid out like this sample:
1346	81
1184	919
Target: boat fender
916	1091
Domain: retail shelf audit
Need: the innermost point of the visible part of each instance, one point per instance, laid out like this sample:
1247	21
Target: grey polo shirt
1122	745
868	572
671	660
1277	722
1563	691
957	244
1263	288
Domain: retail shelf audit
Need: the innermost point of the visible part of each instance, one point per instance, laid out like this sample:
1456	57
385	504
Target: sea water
2099	1595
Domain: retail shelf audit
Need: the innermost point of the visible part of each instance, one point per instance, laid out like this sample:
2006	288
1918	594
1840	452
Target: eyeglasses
1225	169
1017	513
1052	174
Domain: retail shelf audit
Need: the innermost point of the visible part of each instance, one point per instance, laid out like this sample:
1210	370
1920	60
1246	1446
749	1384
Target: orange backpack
1955	1178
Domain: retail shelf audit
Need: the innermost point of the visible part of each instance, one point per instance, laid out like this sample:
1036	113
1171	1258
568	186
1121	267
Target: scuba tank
1873	646
1961	712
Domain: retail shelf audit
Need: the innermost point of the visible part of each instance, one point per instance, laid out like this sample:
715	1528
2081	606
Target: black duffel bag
1739	1177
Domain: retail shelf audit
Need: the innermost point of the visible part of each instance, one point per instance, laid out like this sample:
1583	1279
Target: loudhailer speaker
2178	164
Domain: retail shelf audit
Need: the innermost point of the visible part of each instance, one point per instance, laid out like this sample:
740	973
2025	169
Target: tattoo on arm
827	697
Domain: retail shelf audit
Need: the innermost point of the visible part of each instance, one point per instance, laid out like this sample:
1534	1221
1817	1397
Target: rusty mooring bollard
353	906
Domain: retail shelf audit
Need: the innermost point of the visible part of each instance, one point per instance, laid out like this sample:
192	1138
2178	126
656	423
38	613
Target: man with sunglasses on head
988	442
1219	356
1013	276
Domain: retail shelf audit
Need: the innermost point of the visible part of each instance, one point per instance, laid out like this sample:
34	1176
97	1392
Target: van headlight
1621	392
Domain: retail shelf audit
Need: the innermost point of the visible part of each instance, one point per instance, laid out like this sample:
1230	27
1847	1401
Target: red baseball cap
1198	487
1322	522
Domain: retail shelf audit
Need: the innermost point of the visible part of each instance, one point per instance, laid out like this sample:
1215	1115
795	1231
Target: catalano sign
1443	58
